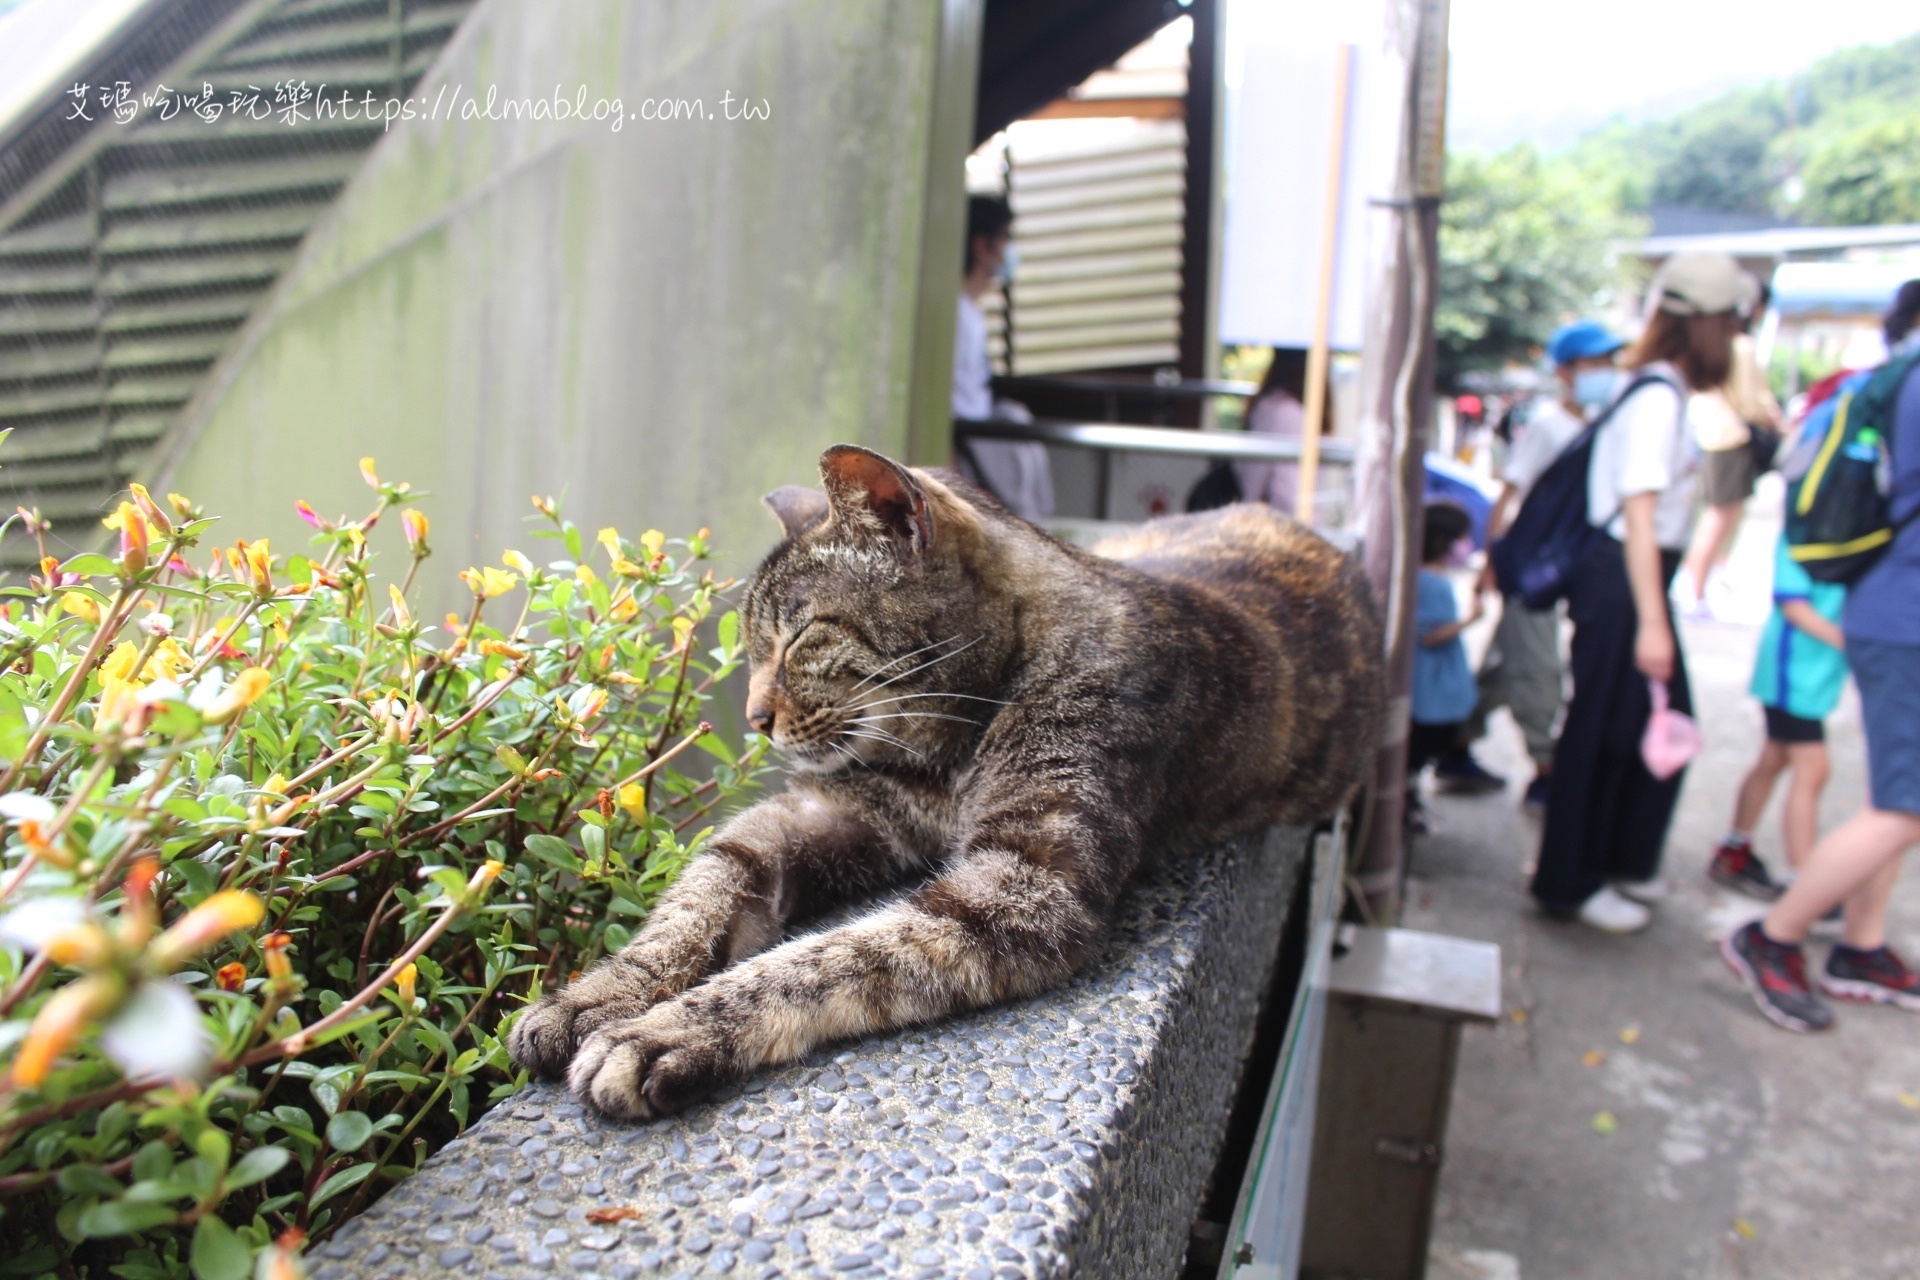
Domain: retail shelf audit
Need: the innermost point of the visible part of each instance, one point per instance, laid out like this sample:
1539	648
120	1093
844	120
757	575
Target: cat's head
873	635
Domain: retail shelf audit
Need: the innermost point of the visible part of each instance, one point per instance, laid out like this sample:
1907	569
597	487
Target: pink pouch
1672	738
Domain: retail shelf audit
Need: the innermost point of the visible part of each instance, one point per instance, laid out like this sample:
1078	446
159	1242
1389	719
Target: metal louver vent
120	287
1099	227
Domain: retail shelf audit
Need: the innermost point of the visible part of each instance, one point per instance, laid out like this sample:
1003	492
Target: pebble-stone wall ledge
1072	1134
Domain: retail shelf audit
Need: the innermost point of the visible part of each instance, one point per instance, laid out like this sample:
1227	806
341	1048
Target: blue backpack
1535	559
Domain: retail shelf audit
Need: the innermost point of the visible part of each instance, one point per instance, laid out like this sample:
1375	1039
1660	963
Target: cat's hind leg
994	926
793	853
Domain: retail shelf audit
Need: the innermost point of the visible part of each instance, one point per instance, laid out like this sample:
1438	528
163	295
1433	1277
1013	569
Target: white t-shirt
1647	447
972	372
1545	435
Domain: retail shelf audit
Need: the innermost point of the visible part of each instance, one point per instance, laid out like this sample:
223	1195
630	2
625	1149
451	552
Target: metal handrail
1118	438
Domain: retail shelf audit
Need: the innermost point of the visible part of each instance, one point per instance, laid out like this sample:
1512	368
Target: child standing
1444	691
1798	676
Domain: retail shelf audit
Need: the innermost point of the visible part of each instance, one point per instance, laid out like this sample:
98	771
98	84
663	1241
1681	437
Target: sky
1541	71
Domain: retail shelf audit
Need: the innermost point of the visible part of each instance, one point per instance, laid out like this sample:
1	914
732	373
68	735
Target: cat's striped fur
964	698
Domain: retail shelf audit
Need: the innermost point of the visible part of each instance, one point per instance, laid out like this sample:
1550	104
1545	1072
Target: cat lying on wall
957	692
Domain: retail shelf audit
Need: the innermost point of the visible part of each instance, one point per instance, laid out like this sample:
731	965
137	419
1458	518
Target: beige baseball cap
1702	283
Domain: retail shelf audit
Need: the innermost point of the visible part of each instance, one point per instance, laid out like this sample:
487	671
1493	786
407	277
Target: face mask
1592	388
1009	259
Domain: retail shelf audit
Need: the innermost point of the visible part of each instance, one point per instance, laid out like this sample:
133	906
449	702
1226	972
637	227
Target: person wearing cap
1522	670
1607	815
1736	427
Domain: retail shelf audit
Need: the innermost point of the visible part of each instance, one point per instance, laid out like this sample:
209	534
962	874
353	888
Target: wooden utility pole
1396	414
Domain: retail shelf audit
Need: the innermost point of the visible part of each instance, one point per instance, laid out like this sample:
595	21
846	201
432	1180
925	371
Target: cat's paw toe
548	1035
649	1066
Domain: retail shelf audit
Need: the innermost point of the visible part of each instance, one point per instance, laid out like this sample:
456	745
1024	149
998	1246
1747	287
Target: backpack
1839	513
1536	557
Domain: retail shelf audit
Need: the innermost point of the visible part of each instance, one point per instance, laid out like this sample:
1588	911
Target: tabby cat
958	693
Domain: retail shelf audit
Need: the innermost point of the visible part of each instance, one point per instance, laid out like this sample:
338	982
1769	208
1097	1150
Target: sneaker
1414	817
1776	974
1879	976
1736	867
1611	913
1536	796
1644	892
1459	773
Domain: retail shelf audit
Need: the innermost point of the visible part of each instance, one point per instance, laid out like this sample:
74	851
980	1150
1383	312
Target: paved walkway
1633	1116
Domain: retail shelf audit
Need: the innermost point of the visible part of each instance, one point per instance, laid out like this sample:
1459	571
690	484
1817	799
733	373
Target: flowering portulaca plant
280	856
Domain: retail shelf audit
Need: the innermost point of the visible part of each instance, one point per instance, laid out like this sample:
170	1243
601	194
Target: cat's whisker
903	697
880	735
912	715
903	657
928	663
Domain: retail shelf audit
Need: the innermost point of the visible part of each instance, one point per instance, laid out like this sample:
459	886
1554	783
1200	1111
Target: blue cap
1581	340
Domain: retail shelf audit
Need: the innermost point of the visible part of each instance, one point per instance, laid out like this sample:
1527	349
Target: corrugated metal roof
120	286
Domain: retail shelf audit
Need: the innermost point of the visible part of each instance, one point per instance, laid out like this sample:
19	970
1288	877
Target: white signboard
1283	57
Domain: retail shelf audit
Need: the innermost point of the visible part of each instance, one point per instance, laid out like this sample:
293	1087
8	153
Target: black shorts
1784	726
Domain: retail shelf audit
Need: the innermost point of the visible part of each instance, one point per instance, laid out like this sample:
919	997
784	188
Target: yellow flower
368	474
276	785
514	560
166	662
653	540
402	616
81	606
625	567
119	703
81	947
120	662
225	912
149	508
238	696
414	525
58	1025
609	538
624	608
489	582
181	504
632	798
257	557
489	872
404	980
501	649
584	575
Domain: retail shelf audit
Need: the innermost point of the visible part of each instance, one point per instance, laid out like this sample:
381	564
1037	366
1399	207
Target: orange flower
81	947
231	977
501	649
279	968
59	1023
257	559
132	528
225	912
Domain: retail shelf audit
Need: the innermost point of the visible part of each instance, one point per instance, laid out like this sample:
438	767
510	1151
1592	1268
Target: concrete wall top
1071	1134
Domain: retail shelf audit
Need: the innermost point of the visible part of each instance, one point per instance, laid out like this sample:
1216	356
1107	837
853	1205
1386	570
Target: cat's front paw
661	1062
547	1035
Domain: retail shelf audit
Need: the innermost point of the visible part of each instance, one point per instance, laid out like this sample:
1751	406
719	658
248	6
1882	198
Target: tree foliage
1833	144
1525	244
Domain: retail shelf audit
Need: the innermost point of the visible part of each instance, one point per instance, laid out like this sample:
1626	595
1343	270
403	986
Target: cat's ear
795	506
869	492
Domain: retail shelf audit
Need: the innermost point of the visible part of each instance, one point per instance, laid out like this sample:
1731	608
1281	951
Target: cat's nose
761	720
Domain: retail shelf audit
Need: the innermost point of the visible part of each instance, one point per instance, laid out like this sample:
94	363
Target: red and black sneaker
1776	974
1738	868
1878	976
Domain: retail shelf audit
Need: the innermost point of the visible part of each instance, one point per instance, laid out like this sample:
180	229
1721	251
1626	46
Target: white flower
31	924
160	691
157	624
158	1033
25	806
